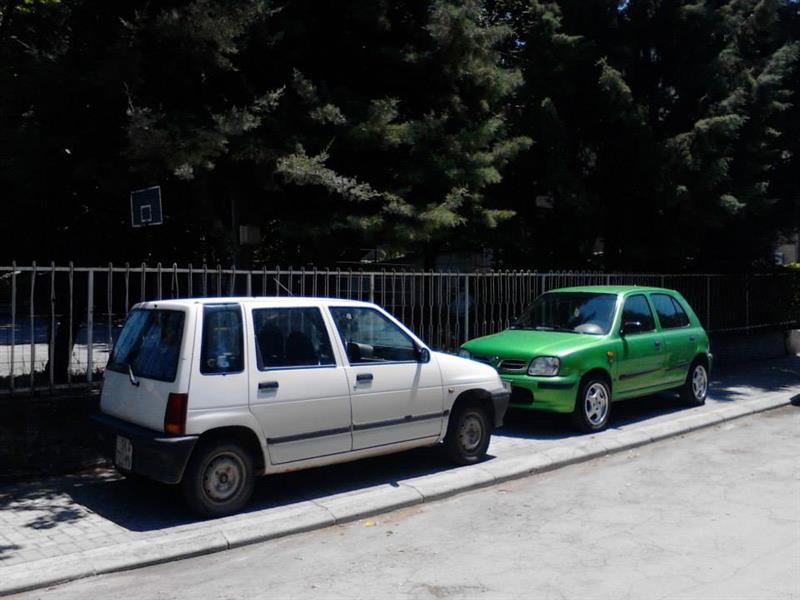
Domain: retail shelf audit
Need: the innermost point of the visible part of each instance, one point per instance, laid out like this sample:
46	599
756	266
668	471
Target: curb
352	506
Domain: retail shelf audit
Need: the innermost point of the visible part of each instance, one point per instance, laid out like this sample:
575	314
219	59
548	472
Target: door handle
362	377
692	338
657	344
268	385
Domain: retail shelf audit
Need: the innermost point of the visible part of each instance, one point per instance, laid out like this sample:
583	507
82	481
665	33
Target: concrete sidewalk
67	528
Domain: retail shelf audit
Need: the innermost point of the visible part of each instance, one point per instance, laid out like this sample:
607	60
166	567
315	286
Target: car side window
681	318
222	348
291	337
369	337
637	309
670	314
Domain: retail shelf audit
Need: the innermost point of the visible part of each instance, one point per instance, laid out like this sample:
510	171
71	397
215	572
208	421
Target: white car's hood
459	371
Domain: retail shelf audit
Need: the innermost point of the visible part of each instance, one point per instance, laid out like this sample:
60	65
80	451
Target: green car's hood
526	343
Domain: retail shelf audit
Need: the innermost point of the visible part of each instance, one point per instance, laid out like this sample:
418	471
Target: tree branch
7	16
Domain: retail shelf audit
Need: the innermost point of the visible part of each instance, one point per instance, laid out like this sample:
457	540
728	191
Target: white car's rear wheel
219	479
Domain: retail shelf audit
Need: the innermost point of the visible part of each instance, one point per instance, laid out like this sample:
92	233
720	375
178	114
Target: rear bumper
500	400
155	455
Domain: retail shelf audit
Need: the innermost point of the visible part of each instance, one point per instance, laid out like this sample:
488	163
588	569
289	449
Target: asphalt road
713	514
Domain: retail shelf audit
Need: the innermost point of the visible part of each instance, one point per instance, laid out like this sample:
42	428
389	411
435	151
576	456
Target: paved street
62	517
713	514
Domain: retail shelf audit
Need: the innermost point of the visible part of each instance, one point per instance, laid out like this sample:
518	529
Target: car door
298	390
641	365
395	397
680	339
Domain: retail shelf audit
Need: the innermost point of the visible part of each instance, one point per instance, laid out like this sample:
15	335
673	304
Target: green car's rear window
571	312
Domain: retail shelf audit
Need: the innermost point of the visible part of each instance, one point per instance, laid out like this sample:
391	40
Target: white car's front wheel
469	432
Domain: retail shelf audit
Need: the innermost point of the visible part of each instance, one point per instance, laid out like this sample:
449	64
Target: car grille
510	364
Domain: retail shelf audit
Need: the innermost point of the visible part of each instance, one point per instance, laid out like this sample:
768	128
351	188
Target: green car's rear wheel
592	405
695	389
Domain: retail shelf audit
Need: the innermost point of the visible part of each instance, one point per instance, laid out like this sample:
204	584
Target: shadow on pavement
765	376
145	506
7	550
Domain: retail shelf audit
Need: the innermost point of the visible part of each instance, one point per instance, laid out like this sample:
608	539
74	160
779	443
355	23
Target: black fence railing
57	323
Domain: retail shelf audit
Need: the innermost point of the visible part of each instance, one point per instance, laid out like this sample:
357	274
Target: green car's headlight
464	353
544	366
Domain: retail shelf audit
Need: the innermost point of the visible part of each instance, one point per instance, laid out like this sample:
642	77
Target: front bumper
155	454
552	394
500	401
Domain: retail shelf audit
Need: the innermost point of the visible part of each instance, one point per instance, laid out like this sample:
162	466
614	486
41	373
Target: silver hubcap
223	477
595	403
699	382
470	434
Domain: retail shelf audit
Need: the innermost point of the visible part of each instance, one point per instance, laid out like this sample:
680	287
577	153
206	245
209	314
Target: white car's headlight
544	366
464	353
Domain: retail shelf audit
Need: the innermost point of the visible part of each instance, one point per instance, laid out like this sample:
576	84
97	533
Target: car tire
592	405
469	431
695	389
219	479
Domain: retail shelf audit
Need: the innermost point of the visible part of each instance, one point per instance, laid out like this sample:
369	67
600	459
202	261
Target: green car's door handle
692	338
657	344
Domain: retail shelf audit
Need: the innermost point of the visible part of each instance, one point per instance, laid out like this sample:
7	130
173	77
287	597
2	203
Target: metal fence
57	323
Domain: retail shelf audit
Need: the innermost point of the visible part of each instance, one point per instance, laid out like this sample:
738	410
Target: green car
577	350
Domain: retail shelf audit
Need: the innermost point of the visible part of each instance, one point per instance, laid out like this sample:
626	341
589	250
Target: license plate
123	457
507	386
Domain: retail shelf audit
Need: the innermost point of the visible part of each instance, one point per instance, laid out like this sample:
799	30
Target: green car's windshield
573	312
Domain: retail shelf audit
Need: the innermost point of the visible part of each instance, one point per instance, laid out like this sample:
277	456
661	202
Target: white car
209	393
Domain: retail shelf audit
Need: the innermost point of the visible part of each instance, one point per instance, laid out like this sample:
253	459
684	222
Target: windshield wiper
555	328
131	376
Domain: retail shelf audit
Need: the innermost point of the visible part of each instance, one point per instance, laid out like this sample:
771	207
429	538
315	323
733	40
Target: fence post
13	320
71	317
466	307
89	325
143	283
372	287
747	302
110	304
52	341
33	326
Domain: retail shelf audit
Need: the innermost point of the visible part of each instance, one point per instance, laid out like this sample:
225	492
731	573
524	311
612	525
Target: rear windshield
149	344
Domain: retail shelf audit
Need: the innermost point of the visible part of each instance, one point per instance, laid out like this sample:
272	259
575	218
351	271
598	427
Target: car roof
613	289
260	300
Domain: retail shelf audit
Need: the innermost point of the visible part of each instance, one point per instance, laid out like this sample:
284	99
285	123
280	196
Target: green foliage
664	133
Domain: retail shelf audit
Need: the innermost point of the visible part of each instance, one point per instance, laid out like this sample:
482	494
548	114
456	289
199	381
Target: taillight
175	416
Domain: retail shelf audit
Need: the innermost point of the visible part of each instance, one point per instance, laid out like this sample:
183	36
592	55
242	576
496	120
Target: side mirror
423	355
630	327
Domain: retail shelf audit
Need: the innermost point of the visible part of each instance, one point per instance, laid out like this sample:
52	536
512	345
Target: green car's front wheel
592	405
